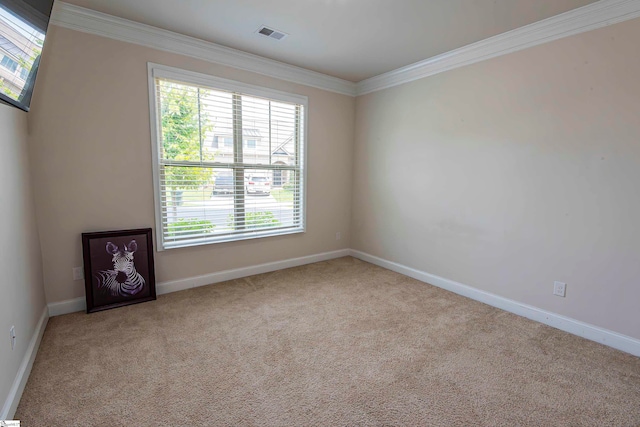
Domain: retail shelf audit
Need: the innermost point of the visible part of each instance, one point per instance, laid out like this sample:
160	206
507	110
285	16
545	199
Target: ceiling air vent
271	33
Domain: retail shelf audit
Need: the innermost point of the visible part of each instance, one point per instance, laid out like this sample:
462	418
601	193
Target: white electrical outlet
559	289
12	335
78	273
338	236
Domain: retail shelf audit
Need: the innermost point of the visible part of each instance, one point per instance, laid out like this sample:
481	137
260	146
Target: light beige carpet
338	343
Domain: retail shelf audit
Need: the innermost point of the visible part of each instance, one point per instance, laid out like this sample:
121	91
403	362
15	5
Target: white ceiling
349	39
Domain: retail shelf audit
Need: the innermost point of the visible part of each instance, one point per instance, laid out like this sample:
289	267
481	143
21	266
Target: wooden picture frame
118	268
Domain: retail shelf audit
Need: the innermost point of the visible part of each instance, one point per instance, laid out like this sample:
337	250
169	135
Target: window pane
268	129
218	141
284	123
255	127
270	206
197	209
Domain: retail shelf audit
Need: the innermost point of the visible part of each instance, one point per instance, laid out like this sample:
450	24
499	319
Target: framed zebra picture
118	268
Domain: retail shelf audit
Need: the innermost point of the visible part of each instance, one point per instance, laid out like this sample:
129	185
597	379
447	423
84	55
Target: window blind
230	164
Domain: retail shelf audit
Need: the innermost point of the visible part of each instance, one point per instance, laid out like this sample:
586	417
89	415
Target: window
9	64
24	73
206	195
219	142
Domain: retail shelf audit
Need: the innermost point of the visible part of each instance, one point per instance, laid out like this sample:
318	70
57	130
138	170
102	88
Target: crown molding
89	21
586	18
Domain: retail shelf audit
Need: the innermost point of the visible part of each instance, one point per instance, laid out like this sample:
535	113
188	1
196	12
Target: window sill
209	240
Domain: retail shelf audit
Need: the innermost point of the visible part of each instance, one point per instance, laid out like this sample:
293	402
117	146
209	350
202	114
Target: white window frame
191	77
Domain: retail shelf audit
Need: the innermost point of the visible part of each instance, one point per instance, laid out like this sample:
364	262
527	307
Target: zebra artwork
123	280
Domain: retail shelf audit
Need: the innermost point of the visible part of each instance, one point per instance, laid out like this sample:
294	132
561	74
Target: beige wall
512	173
91	154
22	297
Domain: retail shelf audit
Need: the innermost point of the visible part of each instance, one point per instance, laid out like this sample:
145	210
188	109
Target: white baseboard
79	304
15	393
67	306
221	276
572	326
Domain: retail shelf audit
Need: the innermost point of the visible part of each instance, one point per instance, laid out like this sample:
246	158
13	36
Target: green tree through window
184	125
